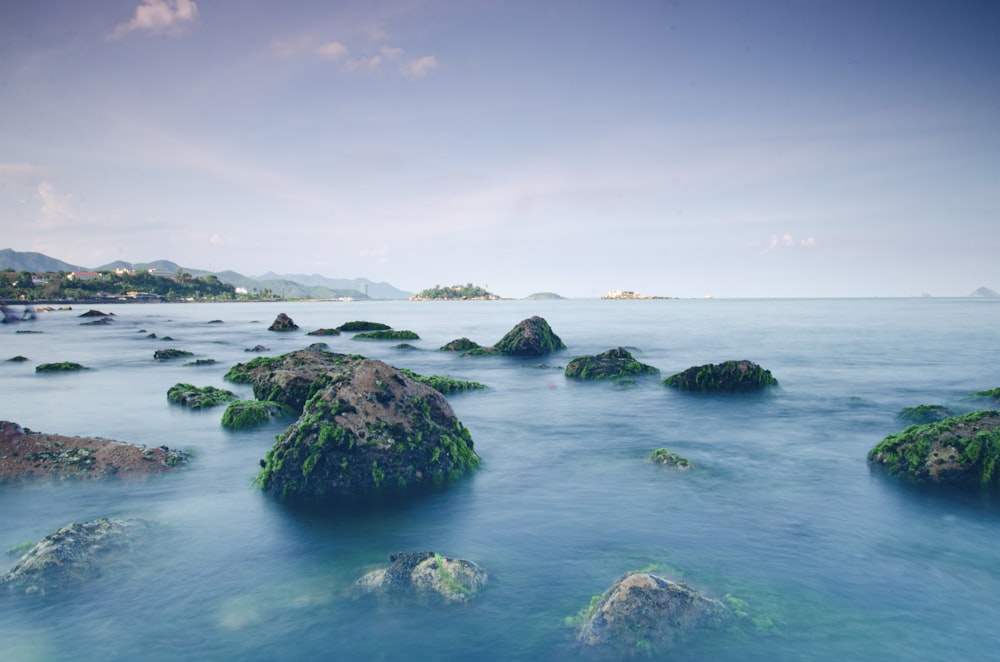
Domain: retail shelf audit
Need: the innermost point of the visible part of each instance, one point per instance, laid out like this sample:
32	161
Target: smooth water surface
780	509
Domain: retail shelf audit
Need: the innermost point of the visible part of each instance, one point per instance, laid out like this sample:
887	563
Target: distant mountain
289	287
542	296
984	292
372	289
34	262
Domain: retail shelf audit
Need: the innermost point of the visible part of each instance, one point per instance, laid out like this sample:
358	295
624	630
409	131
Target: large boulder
426	576
27	455
612	364
729	376
643	614
72	556
292	378
963	451
530	337
367	429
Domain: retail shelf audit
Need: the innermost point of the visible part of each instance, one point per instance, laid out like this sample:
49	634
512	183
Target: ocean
780	510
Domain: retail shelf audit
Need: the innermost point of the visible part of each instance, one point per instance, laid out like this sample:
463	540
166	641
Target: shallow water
780	508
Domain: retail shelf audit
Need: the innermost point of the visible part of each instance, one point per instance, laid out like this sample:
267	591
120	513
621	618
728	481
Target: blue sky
721	147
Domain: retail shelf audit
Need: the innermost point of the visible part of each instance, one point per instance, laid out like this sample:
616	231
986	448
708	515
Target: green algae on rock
324	332
612	364
169	354
64	366
387	334
923	414
362	325
442	384
729	376
668	458
283	323
962	451
459	345
244	414
198	397
426	576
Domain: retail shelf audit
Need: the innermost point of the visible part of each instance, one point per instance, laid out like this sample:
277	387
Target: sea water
780	509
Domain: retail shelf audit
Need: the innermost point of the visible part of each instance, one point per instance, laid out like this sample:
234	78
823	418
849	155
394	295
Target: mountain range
293	286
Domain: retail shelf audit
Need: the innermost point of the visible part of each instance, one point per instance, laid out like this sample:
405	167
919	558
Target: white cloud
788	241
57	208
331	50
391	52
160	16
808	242
418	68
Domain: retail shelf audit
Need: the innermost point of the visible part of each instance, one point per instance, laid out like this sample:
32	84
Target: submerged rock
963	450
95	313
729	376
668	458
459	345
324	332
244	414
387	334
923	414
426	575
198	397
643	614
170	354
529	337
365	428
612	364
72	556
362	325
65	366
283	323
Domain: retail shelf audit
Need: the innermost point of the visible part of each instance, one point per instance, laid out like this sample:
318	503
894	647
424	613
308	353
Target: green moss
669	458
447	579
459	345
249	413
198	398
240	373
377	474
65	366
729	376
923	414
360	325
387	334
445	385
18	550
612	364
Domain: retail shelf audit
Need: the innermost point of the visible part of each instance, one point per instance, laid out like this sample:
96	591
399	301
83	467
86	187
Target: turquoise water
780	510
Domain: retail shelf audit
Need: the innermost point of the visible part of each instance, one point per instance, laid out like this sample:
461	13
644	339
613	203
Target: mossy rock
990	395
962	450
197	362
923	414
668	458
729	376
283	323
459	345
361	325
530	337
170	354
198	398
427	576
387	334
445	385
244	414
17	359
65	366
612	364
324	332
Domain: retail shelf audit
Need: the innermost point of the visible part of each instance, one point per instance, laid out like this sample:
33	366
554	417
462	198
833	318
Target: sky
726	148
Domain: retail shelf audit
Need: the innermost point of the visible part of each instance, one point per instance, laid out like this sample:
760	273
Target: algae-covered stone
923	414
388	334
530	337
612	364
729	376
64	366
244	414
370	431
198	397
362	325
643	613
324	332
426	575
668	458
169	354
72	556
283	323
962	450
442	384
459	345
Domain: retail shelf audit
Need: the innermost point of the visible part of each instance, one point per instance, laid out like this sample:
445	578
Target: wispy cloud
787	240
419	67
331	50
366	58
170	17
57	208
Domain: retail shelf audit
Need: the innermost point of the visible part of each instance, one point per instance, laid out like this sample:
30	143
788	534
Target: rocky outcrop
644	614
962	451
72	556
362	325
244	414
530	337
459	345
365	428
198	397
729	376
27	455
283	323
426	576
612	364
95	313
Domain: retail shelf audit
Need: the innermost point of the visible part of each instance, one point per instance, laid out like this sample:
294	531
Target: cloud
788	241
57	208
160	17
418	68
331	50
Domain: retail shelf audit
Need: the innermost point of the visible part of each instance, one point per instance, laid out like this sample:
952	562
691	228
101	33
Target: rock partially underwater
426	576
729	376
529	337
612	364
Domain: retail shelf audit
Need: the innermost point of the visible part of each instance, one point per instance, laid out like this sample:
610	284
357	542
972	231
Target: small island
467	292
629	294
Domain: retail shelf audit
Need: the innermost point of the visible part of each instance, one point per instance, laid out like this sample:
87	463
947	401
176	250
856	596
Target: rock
72	556
668	458
65	366
292	378
644	614
612	364
256	348
426	575
367	430
443	385
27	455
198	398
387	334
168	354
460	345
963	451
322	346
530	337
17	359
282	323
923	414
244	414
730	376
101	321
324	332
361	325
200	362
95	313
